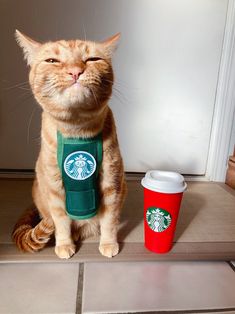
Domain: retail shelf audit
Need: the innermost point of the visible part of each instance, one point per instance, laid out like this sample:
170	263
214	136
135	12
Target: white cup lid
164	182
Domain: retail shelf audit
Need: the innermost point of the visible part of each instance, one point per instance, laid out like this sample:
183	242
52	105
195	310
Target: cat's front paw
109	249
65	251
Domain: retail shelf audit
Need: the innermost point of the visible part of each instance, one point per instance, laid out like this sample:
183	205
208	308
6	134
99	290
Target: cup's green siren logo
158	219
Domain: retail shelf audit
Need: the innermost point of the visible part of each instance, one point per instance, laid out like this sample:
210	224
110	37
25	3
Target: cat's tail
30	233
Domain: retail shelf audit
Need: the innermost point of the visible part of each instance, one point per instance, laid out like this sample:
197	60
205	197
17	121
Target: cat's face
69	74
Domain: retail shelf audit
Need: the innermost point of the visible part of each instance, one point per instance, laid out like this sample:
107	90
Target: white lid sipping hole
164	182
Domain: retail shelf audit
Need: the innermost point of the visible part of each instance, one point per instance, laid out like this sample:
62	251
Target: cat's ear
111	43
29	46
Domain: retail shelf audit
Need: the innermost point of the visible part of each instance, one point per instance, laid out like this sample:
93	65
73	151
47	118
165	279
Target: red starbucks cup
163	191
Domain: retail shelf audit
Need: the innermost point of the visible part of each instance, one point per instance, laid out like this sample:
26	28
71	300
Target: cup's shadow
191	205
132	215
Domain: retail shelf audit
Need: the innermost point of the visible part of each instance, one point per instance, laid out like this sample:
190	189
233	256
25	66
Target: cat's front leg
109	246
112	201
65	247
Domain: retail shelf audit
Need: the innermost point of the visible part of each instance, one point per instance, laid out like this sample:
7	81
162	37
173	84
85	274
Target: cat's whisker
29	124
24	88
119	99
120	94
27	93
19	85
116	90
84	30
95	98
37	138
120	83
117	83
50	88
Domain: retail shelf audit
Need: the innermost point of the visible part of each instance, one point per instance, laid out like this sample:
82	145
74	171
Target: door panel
166	70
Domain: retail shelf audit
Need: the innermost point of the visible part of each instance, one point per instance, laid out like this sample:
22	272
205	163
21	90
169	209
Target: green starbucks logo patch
158	219
79	165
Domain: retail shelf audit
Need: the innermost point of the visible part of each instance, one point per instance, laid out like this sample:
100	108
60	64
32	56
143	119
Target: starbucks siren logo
158	219
79	165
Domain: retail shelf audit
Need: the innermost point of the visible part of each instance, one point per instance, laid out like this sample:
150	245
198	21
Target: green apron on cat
79	161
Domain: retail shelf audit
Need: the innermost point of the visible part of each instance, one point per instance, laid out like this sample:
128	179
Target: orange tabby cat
72	81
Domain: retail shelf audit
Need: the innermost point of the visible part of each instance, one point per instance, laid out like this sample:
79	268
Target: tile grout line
80	289
205	311
231	265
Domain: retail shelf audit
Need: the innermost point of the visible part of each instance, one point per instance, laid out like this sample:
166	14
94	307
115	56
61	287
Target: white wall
166	69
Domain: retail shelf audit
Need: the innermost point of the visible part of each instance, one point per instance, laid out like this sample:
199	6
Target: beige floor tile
38	288
159	286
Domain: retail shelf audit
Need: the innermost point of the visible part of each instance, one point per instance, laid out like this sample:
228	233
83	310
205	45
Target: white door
166	69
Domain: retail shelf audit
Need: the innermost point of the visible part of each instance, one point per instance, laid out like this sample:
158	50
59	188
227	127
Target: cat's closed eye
52	60
93	59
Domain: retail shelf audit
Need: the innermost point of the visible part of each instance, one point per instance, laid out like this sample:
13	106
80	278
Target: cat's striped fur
77	107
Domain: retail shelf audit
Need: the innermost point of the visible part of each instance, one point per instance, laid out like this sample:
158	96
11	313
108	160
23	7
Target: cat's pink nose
75	73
